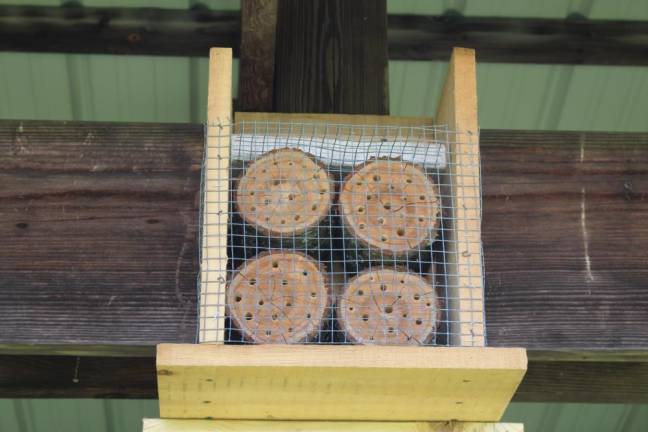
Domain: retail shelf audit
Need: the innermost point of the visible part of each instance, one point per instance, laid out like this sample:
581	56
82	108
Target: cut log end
284	193
278	297
389	307
390	206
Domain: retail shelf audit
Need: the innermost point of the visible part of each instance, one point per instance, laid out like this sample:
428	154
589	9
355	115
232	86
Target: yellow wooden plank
174	425
458	110
309	382
213	263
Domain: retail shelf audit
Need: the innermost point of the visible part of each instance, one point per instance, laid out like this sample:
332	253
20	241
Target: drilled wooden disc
278	297
390	205
284	192
389	307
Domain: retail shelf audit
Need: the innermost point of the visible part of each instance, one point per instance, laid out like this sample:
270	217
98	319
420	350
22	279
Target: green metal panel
81	415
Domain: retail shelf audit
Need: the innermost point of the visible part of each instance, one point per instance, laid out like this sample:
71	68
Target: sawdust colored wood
321	382
213	266
334	119
457	109
174	425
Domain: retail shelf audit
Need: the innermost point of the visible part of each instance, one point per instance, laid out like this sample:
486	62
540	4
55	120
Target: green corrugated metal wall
164	89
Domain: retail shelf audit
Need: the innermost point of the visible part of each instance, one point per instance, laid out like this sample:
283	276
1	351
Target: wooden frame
337	382
334	382
168	425
457	109
213	263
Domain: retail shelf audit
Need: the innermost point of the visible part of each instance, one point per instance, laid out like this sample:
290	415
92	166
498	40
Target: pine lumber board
174	425
322	382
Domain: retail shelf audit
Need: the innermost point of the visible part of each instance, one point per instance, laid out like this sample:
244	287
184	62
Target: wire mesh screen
336	234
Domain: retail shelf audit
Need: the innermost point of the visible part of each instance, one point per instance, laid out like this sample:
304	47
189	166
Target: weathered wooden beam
331	57
575	40
135	377
73	28
99	222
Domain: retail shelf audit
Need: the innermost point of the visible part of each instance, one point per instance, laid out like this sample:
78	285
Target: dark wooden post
331	57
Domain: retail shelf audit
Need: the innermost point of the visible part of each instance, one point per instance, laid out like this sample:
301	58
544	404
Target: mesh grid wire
336	234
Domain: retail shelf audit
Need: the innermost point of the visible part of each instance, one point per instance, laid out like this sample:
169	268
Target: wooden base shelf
336	382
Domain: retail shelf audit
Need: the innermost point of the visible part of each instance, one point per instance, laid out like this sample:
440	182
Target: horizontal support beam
37	376
101	219
191	32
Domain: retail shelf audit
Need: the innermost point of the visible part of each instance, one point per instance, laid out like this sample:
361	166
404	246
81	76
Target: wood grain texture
215	207
457	109
319	382
135	377
102	223
174	425
565	239
99	226
256	75
331	56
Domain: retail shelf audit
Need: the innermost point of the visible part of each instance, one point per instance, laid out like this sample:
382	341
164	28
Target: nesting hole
361	209
275	264
238	298
419	321
249	316
376	178
365	317
400	232
389	309
252	282
417	296
383	287
360	292
261	302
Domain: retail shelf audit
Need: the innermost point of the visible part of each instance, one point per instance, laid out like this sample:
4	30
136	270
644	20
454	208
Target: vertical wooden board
258	28
320	382
458	110
213	263
174	425
331	57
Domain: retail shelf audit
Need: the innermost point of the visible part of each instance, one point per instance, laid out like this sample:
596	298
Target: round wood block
278	297
390	205
389	307
284	192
